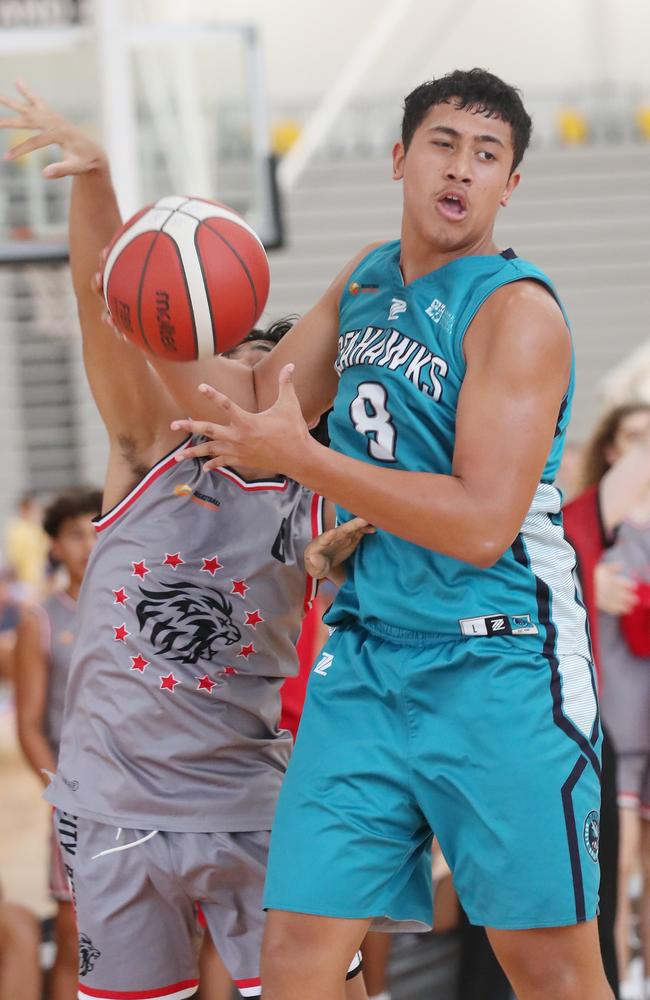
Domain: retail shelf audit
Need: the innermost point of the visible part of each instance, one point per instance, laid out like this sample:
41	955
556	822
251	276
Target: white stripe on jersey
553	561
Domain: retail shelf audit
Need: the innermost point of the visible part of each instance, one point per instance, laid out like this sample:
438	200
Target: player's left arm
518	355
326	555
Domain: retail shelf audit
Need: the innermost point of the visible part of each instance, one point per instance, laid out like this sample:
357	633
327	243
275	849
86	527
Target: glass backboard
180	106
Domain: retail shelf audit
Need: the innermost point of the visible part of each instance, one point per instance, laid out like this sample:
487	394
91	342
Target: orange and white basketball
186	278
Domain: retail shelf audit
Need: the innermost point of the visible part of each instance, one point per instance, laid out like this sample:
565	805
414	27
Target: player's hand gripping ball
185	278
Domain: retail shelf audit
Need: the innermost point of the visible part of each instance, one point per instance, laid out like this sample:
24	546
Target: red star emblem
139	663
174	560
211	565
139	569
239	587
205	684
120	632
121	596
247	651
229	671
253	618
168	683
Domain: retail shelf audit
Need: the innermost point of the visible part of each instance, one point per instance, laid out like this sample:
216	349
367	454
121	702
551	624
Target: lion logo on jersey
188	622
88	955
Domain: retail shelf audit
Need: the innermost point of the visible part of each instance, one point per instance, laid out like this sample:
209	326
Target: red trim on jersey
168	462
317	525
244	983
163	991
256	485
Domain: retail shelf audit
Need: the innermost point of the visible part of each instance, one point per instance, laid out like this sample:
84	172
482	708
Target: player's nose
459	168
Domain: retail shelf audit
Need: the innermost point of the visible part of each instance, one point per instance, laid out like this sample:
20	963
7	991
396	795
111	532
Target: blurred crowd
606	483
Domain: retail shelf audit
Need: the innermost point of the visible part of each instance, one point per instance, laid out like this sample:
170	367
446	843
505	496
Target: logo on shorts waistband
324	664
591	834
498	625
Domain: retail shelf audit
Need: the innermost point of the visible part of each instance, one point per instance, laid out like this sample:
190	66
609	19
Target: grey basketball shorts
135	894
633	779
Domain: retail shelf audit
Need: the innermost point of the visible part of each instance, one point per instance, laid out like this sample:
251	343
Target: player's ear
398	161
513	181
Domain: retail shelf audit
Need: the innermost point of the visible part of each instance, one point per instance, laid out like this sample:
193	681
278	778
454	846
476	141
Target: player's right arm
134	405
31	694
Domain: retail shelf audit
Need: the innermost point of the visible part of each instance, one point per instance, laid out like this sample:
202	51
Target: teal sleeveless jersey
401	366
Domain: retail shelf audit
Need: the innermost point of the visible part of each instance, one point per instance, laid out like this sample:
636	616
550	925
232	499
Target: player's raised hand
80	153
275	439
333	547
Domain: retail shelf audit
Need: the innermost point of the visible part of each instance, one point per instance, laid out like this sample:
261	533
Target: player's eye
442	142
486	155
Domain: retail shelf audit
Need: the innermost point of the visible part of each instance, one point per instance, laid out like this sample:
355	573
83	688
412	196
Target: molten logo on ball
186	278
165	325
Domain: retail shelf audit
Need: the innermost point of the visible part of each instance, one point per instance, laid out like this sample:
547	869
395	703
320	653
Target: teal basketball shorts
490	744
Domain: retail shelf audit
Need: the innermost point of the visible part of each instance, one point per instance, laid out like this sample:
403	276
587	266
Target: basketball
186	278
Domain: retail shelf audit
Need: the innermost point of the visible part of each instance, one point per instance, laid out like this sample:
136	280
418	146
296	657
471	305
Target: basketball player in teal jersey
456	692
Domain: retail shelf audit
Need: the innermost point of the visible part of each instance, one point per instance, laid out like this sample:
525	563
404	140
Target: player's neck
254	475
419	257
73	588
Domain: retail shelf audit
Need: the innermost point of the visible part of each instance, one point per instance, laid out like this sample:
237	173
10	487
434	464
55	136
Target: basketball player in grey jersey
171	758
43	651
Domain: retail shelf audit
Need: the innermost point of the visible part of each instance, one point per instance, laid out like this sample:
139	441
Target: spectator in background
8	623
46	635
615	488
20	972
26	547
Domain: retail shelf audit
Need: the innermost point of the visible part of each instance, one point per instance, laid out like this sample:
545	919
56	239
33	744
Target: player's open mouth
452	206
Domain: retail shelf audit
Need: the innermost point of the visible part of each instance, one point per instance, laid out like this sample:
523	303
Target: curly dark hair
480	91
72	503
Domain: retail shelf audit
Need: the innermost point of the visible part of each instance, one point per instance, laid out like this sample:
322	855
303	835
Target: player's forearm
230	377
37	751
94	218
438	512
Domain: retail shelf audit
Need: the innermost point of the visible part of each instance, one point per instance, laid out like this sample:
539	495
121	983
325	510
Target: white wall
537	44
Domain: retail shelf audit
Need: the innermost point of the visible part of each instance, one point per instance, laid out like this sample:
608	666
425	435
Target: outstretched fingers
212	450
12	103
21	87
200	428
28	146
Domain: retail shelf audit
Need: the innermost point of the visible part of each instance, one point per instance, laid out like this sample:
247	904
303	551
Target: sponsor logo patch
358	289
498	625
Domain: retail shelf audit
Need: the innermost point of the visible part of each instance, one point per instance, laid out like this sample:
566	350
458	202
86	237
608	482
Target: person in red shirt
616	476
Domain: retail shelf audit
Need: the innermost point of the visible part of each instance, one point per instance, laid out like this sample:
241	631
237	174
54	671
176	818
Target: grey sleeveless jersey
188	617
625	694
58	618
